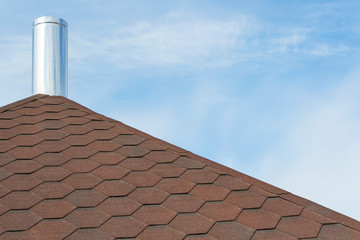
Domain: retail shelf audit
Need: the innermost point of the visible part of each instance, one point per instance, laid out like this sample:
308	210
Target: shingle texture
67	172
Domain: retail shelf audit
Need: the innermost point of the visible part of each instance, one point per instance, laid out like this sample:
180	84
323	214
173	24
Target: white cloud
171	40
290	42
178	39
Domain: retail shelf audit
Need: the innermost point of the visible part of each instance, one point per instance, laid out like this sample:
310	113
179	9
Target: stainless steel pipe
50	56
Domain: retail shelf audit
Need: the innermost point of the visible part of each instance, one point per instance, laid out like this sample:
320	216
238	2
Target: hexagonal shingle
74	113
141	179
258	219
162	156
89	234
219	211
23	166
16	236
8	123
298	227
20	200
338	231
122	227
51	173
148	195
110	172
29	119
191	223
199	176
175	185
5	134
154	215
308	214
188	163
167	170
99	125
231	231
161	233
115	188
199	237
136	163
102	134
52	108
17	220
51	190
79	152
104	146
132	151
52	115
21	182
87	217
129	140
85	198
150	145
5	159
281	207
52	146
107	158
52	159
52	124
209	192
78	140
52	229
4	173
75	120
52	100
3	209
82	180
231	183
29	111
6	145
27	129
183	203
271	234
3	191
25	140
53	208
245	199
76	129
51	134
80	165
9	115
24	152
119	206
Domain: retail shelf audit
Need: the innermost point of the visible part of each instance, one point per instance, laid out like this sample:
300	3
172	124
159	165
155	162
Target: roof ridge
21	102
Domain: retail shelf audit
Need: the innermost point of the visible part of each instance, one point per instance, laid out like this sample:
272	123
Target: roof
70	173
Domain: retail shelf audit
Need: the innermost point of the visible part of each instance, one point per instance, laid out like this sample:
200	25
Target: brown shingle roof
69	173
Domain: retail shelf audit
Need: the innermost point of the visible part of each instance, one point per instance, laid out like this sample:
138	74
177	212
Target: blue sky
270	88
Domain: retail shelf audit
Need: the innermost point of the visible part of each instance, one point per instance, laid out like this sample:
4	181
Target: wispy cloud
291	42
181	40
327	49
172	40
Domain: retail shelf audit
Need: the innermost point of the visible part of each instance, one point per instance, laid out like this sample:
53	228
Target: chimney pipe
50	56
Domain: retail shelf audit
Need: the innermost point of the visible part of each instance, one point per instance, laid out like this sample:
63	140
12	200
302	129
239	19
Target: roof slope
69	173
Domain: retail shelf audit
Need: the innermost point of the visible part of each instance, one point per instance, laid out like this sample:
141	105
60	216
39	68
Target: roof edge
21	102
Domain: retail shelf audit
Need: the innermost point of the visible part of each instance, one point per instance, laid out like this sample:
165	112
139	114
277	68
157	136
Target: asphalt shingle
70	173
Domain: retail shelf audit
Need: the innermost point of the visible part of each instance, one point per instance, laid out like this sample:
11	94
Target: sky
269	88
